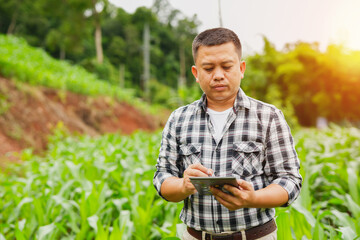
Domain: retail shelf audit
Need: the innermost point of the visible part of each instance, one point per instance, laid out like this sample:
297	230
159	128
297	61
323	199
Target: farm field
101	188
85	86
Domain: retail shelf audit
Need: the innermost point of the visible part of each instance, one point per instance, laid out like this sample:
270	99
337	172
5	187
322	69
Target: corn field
101	188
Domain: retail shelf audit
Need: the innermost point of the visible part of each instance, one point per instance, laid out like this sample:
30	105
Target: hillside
39	93
28	114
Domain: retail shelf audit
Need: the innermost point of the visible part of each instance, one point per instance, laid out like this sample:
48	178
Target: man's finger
220	193
193	172
245	185
201	168
233	190
223	198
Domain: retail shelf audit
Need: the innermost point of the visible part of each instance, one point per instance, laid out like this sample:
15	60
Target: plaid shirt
256	146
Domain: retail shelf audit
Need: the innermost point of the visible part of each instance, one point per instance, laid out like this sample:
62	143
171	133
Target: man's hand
242	197
246	197
177	189
194	170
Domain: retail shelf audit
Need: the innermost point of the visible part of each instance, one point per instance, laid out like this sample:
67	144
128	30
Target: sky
281	21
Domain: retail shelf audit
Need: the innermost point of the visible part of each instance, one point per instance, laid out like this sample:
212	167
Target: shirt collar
241	101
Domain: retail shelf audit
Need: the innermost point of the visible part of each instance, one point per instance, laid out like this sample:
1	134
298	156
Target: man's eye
227	67
208	69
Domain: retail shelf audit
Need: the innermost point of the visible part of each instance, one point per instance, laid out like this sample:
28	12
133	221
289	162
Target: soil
29	114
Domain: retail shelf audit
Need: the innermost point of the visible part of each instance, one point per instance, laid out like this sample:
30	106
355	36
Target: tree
185	32
68	28
11	11
98	8
23	18
146	57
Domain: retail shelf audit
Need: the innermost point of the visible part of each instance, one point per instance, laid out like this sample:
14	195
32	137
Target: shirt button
218	150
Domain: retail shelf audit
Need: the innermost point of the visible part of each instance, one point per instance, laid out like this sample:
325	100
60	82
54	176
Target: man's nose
218	74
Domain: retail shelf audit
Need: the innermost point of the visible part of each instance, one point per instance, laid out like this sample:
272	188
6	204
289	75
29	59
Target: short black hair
213	37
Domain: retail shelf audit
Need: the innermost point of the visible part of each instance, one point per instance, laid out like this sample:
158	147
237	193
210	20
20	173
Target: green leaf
116	233
305	197
284	229
39	211
15	214
21	224
353	207
318	231
309	217
180	228
347	233
19	235
344	219
102	234
353	180
119	203
93	222
45	230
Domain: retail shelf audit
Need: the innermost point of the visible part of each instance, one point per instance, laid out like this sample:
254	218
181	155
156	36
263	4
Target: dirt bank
28	114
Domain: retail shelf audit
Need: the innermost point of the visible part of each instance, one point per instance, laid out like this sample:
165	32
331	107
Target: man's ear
194	72
242	68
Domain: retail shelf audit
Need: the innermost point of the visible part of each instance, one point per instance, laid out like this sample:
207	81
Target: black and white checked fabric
256	146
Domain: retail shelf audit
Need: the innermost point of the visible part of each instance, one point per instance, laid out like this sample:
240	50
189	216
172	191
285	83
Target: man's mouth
219	87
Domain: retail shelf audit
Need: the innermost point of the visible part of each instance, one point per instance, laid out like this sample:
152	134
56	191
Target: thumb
245	185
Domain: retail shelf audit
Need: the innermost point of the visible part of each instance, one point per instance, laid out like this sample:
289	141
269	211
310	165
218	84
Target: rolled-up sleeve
282	162
167	162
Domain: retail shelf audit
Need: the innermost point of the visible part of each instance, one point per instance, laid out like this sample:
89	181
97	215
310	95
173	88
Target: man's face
219	71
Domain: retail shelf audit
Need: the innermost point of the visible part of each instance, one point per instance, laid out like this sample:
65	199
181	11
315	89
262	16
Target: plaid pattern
256	146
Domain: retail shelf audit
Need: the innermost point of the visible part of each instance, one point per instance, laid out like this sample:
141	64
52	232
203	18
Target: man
226	133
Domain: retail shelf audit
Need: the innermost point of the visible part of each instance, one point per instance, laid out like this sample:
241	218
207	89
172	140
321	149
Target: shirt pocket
190	154
247	158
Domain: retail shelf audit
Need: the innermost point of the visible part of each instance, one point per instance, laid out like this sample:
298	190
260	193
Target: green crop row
101	188
329	203
20	61
86	189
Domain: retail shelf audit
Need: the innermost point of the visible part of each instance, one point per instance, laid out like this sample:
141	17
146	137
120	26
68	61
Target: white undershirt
218	120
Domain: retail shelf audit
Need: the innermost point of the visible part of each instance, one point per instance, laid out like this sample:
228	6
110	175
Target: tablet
202	184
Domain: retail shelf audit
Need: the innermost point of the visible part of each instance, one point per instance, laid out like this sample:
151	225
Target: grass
20	61
4	104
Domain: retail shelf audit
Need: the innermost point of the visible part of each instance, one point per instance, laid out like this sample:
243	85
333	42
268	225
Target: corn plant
100	188
329	204
87	188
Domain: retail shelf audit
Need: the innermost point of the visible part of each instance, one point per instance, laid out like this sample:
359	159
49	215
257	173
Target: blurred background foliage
303	81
